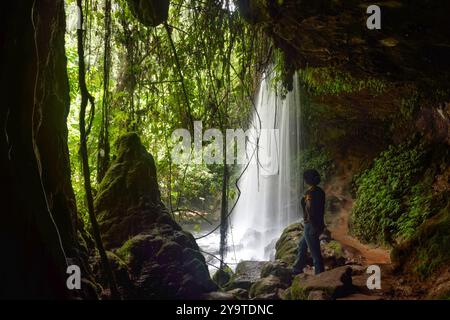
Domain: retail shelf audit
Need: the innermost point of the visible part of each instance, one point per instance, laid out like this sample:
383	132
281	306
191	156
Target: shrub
392	198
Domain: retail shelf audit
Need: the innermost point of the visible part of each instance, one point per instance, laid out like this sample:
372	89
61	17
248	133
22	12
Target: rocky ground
346	261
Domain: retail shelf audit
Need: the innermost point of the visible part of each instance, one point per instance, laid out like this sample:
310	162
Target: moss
286	246
337	249
326	80
299	292
126	251
222	276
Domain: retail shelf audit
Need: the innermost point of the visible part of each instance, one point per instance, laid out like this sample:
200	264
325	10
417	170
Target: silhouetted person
313	204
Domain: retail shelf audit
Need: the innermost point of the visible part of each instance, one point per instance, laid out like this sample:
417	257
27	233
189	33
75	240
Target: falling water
270	185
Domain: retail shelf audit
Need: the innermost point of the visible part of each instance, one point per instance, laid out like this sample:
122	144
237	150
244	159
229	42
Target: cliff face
369	87
378	106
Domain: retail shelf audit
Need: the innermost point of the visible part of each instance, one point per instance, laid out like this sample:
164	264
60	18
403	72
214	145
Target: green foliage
391	199
152	94
432	245
324	80
316	158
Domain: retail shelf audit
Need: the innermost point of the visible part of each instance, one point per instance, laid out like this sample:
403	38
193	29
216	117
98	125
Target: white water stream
270	186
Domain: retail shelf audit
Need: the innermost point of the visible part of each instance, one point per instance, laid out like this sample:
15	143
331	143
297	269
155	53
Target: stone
240	294
222	277
318	295
245	275
128	199
335	283
287	245
267	287
218	295
279	269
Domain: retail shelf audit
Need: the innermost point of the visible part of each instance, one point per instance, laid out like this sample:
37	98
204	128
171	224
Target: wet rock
286	246
222	277
318	295
240	294
336	283
246	274
267	288
121	273
162	269
218	295
279	269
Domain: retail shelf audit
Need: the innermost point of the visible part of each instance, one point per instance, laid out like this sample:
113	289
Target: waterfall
271	184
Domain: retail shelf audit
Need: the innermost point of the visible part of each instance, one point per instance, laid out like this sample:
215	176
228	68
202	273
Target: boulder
238	293
245	275
279	269
335	283
318	295
286	247
128	200
166	264
163	261
267	288
222	276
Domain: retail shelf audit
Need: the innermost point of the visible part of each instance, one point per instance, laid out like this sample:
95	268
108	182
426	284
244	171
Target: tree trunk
85	98
38	205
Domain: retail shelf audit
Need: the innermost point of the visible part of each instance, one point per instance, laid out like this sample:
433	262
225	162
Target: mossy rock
286	247
128	200
334	283
278	269
222	276
166	263
245	275
267	286
239	293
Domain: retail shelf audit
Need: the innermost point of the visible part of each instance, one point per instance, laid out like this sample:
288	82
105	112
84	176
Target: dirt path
393	286
339	227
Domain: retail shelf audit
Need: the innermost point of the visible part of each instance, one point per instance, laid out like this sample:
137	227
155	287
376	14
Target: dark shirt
313	204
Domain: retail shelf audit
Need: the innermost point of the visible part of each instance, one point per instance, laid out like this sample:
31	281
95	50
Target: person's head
311	177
